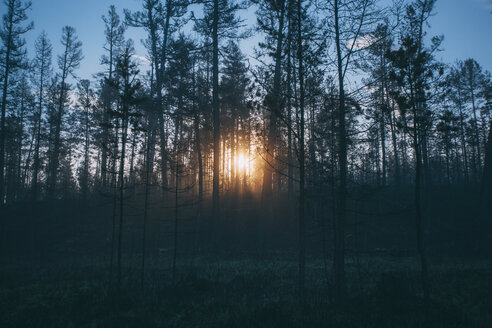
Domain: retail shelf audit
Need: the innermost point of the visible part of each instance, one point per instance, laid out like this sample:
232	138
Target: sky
465	24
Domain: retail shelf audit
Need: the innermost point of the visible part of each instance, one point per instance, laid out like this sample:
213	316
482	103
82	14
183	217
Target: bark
395	146
216	111
274	112
176	194
462	135
115	206
302	223
339	256
36	160
418	214
382	129
163	136
163	152
18	184
475	122
148	175
4	102
290	178
233	151
121	181
105	134
55	156
85	186
131	173
199	157
418	195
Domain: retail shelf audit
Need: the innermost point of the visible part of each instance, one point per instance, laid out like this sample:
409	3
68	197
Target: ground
217	292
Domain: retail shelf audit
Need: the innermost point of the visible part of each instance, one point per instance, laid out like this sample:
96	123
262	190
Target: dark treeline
339	138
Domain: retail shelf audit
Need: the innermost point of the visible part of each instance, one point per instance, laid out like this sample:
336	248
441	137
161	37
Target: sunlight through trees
316	139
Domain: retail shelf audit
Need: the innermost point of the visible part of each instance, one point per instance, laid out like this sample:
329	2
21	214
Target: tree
379	67
413	71
215	109
155	18
180	100
351	22
455	93
41	75
22	100
447	128
13	57
68	62
220	24
150	19
475	82
85	115
114	32
302	223
127	85
271	20
233	91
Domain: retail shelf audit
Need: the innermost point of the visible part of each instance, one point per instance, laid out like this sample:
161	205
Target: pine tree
86	96
219	24
13	57
413	71
41	76
271	18
351	21
114	32
68	62
127	85
233	89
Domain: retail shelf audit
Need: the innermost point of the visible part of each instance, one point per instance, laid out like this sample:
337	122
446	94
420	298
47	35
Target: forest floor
383	291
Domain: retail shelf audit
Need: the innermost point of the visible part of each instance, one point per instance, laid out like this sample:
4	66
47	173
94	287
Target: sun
242	162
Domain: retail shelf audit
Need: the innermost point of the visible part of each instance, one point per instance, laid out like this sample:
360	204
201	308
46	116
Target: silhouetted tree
68	62
85	96
219	24
114	32
127	85
13	56
413	72
351	22
42	71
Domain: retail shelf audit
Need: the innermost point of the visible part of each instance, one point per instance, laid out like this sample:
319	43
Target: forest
317	166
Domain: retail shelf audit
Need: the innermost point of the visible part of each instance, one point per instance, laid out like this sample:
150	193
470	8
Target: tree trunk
199	157
475	126
463	141
418	197
176	199
302	224
339	256
274	112
290	171
148	177
216	112
4	108
163	152
57	142
121	179
36	160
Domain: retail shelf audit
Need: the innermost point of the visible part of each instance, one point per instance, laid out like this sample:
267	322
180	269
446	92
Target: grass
383	292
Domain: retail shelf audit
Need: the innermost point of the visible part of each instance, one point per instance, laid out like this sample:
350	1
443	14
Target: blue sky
467	29
466	25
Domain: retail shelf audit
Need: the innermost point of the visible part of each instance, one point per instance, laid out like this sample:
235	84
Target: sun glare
242	162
